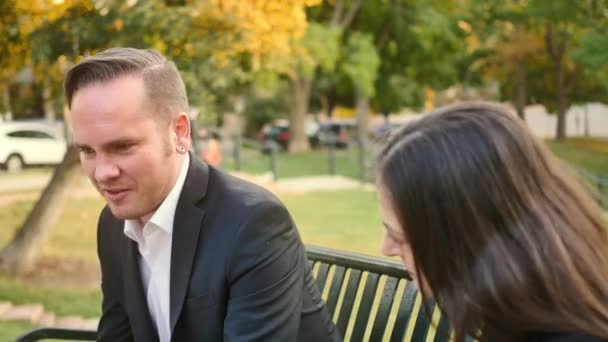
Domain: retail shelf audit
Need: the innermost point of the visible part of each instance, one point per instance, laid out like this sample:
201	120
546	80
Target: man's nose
105	170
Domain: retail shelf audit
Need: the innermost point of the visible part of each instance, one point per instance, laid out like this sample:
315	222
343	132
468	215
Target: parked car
29	143
384	131
278	134
337	134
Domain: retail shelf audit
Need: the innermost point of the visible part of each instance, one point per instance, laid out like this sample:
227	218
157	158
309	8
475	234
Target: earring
181	149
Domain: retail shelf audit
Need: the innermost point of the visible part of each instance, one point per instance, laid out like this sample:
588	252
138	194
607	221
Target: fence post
332	156
362	168
236	151
273	161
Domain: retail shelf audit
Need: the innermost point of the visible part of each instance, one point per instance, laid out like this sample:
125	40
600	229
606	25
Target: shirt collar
164	215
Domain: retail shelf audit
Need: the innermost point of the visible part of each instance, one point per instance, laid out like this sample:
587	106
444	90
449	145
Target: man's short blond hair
163	84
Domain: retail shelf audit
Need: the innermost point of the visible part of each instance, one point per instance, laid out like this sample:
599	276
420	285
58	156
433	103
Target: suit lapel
186	231
135	297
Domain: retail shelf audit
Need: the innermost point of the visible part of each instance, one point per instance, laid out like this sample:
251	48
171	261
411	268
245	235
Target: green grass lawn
9	331
586	153
590	154
73	236
345	220
62	301
339	219
297	165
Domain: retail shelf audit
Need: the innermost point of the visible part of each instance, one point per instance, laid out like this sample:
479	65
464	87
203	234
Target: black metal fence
354	160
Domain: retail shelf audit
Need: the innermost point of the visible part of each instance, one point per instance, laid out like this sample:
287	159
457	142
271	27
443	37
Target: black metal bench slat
423	323
384	308
322	275
365	308
335	289
404	314
443	330
354	279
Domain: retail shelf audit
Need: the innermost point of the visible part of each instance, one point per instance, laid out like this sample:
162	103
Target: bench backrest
361	307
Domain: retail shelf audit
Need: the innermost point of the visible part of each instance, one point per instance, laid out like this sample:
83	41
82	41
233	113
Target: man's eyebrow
111	144
119	142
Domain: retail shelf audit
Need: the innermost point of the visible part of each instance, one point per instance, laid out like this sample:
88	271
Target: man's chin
123	213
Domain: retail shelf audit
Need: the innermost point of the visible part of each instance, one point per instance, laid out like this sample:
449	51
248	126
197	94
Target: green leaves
361	62
322	48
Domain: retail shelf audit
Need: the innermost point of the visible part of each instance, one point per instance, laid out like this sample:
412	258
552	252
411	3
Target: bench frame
326	261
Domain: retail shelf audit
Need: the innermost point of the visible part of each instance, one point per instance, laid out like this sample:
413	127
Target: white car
30	143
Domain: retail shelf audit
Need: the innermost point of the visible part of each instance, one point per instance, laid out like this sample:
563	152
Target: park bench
369	298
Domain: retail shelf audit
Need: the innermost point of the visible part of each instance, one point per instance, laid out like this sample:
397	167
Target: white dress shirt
154	243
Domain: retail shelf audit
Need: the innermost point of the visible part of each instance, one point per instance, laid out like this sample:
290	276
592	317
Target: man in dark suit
187	252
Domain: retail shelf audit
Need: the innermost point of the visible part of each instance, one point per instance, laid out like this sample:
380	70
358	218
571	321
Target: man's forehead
130	88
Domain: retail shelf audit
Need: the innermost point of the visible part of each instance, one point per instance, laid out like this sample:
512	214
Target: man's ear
181	128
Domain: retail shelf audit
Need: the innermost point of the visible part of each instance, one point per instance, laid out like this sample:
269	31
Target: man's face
129	156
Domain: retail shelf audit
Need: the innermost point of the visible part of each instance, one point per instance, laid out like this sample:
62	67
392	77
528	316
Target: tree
318	49
20	254
14	53
563	23
361	62
591	55
205	38
64	31
509	46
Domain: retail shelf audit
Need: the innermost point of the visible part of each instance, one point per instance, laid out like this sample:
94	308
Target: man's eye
124	147
86	150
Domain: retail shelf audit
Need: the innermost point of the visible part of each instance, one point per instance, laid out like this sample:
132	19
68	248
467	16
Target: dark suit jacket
238	270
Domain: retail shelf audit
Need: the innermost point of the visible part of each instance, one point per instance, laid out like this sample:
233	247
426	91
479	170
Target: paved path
13	183
13	189
36	315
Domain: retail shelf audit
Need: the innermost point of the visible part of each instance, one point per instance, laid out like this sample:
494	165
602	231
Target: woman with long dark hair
494	228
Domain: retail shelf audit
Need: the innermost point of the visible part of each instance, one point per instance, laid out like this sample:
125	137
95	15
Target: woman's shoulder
557	337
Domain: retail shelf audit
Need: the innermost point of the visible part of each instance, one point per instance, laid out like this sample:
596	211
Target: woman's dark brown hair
506	239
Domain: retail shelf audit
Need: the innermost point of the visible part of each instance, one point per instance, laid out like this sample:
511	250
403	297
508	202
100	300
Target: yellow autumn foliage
31	15
264	29
36	12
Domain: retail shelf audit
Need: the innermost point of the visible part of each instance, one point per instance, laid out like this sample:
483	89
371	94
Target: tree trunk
6	99
556	48
299	90
520	91
325	105
560	134
362	109
49	108
586	120
20	254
